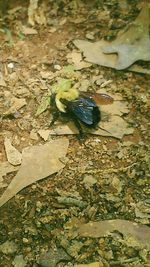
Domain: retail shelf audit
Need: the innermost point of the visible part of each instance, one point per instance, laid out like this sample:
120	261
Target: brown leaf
15	105
134	43
44	134
13	155
6	167
76	58
131	45
38	162
28	31
140	233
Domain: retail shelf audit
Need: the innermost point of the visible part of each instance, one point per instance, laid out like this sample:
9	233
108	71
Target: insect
81	108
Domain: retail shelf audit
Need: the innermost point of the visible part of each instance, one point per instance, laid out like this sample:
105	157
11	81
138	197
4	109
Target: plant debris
134	43
5	168
130	46
13	155
53	257
46	157
131	230
102	179
76	59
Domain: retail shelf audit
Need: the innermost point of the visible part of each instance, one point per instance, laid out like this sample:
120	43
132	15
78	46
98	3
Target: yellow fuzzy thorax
69	95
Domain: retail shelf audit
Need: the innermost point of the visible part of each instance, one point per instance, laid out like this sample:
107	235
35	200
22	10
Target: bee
81	108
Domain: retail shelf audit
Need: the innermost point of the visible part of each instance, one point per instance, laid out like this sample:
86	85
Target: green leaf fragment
45	102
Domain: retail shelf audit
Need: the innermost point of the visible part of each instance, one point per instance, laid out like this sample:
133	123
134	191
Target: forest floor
104	178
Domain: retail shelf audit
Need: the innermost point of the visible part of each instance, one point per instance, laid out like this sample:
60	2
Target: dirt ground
104	178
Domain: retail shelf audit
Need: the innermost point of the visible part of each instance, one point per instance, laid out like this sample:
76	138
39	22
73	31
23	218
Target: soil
108	175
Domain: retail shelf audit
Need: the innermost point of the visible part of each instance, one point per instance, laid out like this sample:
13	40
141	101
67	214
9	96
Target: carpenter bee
81	108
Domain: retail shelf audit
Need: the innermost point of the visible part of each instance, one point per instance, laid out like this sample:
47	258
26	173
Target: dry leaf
116	127
33	135
6	167
16	104
76	59
13	155
139	233
118	107
2	81
36	14
28	31
44	134
93	52
128	53
134	43
38	162
63	129
31	11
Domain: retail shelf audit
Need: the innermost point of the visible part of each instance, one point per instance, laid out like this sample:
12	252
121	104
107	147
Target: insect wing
85	110
100	98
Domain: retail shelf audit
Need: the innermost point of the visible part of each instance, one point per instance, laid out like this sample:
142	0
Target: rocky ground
103	178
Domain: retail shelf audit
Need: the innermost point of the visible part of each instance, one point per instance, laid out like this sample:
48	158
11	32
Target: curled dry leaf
13	155
137	232
38	162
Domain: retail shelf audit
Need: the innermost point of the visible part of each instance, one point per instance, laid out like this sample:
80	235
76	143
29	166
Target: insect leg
78	125
55	118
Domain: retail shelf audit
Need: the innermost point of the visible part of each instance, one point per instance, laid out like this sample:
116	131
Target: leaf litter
5	168
46	157
13	155
134	43
36	13
15	104
117	191
76	59
138	233
131	45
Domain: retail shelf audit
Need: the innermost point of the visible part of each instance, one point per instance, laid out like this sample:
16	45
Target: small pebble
10	65
57	67
90	36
